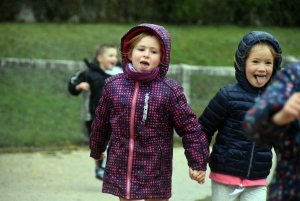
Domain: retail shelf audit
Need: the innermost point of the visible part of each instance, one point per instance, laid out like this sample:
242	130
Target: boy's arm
78	78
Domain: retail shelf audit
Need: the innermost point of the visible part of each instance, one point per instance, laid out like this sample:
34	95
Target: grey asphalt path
69	176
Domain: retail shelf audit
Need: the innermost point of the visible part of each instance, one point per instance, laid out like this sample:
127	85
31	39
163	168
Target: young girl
91	82
239	167
275	119
137	114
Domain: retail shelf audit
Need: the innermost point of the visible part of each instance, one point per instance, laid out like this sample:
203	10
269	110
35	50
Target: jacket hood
95	66
245	45
164	38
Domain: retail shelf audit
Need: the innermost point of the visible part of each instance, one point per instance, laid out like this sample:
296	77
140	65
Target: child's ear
130	56
99	58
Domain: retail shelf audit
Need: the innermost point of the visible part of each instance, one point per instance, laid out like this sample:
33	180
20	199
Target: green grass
35	106
195	45
35	111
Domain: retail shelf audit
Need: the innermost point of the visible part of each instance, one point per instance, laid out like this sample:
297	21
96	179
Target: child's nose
146	53
262	67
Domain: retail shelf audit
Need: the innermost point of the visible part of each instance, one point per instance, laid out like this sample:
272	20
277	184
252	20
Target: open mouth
144	64
261	79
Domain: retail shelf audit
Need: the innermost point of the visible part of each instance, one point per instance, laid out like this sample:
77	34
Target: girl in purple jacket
136	117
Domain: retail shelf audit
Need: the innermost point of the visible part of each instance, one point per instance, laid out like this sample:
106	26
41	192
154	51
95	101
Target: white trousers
223	192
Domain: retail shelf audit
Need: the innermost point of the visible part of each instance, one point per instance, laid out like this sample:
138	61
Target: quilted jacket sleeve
193	139
214	114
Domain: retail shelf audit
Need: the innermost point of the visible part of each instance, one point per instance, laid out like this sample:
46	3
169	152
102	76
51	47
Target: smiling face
259	65
146	54
108	59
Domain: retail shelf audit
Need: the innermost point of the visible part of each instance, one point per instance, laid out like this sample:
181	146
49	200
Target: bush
206	12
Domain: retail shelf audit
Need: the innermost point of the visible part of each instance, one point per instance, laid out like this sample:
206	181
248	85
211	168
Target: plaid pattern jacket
136	120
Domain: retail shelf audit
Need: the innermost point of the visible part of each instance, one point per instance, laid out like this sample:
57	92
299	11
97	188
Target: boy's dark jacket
233	153
93	75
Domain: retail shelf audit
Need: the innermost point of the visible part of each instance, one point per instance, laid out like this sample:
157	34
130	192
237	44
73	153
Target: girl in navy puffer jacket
136	116
239	167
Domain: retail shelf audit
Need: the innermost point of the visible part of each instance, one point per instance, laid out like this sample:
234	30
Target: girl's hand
199	176
101	158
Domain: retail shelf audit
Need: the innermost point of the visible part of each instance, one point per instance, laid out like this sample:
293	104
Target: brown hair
133	41
260	45
102	48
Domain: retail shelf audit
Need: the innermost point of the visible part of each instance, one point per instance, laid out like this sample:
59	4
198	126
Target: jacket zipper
131	138
251	159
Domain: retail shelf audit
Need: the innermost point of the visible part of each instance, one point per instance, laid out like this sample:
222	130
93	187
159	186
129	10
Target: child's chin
260	85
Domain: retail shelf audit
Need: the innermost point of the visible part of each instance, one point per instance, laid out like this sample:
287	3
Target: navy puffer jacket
233	153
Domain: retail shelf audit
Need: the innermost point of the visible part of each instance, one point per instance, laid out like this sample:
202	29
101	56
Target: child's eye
141	49
154	52
269	63
255	62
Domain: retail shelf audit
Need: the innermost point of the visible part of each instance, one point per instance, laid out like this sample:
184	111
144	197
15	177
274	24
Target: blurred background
43	44
194	12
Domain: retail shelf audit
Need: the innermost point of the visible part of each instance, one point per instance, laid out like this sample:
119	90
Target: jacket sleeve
258	120
75	80
193	139
101	128
214	114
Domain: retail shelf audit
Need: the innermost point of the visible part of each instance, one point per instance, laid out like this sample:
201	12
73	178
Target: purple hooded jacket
136	120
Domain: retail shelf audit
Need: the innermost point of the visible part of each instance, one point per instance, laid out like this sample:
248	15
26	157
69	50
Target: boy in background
91	82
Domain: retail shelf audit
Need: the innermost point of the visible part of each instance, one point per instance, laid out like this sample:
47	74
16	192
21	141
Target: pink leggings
122	199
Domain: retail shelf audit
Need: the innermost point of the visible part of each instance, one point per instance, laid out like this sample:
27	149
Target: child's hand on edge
289	112
101	158
199	176
82	86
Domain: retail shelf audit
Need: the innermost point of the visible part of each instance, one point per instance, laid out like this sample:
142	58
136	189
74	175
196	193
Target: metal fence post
186	82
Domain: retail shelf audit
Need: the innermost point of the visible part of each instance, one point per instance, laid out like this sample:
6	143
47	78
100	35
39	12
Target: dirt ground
69	176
